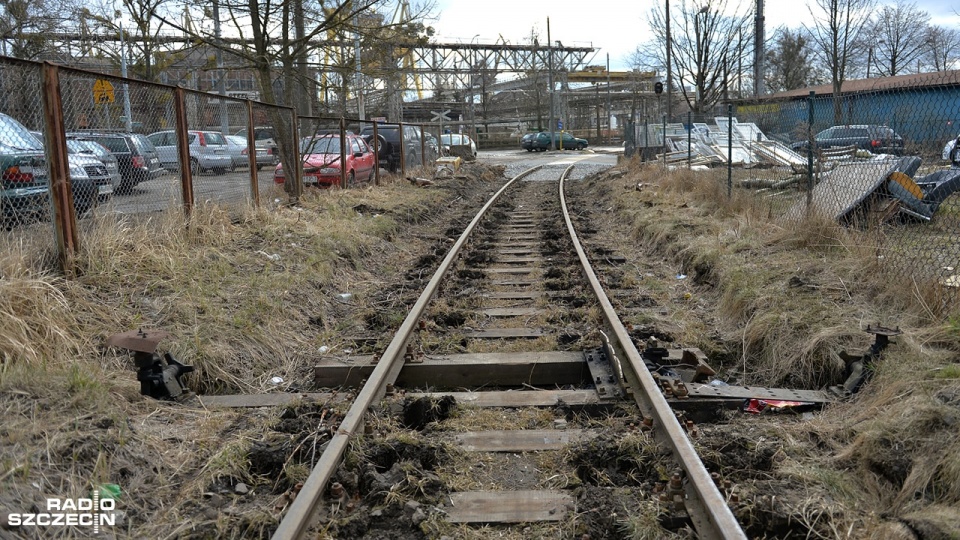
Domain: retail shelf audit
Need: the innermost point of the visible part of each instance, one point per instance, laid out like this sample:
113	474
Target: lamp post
550	83
870	56
126	88
473	111
666	4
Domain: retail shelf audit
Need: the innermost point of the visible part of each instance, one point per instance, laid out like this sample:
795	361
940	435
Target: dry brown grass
789	297
246	295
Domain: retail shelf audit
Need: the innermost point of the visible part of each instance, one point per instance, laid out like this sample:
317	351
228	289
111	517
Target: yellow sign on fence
102	91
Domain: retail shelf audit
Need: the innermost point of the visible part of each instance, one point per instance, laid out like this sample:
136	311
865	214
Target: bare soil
768	306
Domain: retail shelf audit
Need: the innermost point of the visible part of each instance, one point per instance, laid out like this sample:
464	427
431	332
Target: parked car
91	167
321	161
562	141
527	142
136	156
100	152
238	150
85	166
388	145
874	138
262	136
24	184
98	163
456	144
208	150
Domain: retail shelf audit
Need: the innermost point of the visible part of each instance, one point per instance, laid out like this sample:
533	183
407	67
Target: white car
455	144
949	148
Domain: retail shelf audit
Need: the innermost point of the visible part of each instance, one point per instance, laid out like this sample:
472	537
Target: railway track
523	323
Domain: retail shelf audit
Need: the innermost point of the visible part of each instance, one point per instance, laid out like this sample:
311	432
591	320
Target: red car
320	156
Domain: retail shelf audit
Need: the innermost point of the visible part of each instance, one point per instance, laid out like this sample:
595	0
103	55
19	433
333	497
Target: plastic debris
681	276
276	380
271	256
757	406
717	382
323	349
345	297
109	491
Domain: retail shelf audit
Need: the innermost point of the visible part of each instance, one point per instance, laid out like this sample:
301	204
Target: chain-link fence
876	157
26	202
75	144
96	144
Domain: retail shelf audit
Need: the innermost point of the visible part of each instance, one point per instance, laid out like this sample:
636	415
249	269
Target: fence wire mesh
26	203
106	119
877	157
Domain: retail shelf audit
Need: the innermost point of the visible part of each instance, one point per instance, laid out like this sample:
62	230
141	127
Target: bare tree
143	47
705	43
898	36
942	47
25	25
835	34
275	45
789	61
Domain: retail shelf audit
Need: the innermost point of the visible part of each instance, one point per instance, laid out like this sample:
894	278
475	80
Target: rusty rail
706	506
300	513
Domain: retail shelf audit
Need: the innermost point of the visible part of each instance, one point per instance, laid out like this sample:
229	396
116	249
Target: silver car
86	167
97	150
238	152
208	151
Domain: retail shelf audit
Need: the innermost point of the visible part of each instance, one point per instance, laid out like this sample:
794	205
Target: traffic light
658	87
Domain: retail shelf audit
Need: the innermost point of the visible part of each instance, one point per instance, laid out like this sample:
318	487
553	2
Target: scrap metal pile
845	179
707	145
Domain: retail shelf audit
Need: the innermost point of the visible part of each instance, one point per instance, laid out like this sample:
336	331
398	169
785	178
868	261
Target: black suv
136	156
388	145
876	139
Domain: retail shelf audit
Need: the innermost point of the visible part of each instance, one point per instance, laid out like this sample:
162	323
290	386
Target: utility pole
221	81
126	87
359	82
550	82
609	112
669	55
758	51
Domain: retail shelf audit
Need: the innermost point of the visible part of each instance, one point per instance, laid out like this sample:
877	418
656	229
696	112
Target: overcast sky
615	27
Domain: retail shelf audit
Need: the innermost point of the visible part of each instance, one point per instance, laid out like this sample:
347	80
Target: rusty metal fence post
810	149
376	154
183	149
297	190
252	156
61	192
403	153
729	150
343	153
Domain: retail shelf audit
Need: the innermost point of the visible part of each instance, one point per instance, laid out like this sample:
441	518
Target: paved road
586	161
163	193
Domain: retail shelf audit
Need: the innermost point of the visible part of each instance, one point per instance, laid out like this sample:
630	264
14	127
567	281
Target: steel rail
708	510
300	514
